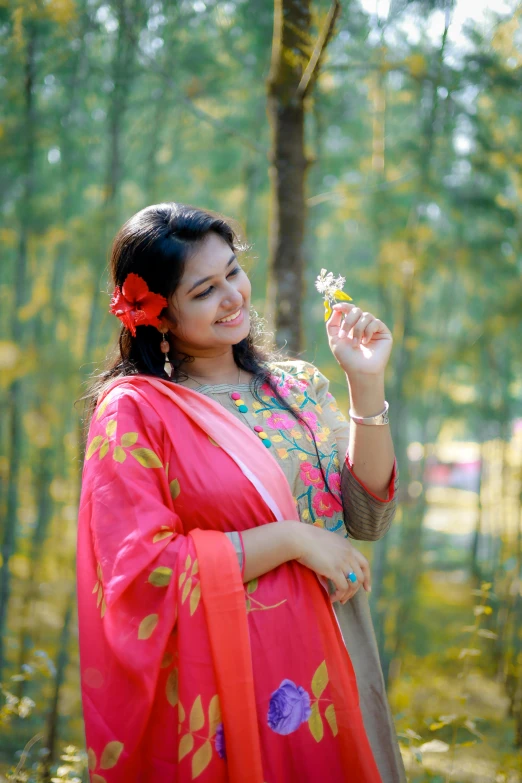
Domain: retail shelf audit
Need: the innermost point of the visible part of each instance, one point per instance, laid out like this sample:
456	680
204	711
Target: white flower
327	284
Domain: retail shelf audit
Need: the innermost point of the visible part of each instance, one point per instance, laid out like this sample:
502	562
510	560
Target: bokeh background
410	186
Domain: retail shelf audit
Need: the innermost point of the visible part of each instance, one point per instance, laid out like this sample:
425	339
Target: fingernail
342	333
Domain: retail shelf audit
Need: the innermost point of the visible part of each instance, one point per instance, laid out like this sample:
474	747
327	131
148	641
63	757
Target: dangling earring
165	348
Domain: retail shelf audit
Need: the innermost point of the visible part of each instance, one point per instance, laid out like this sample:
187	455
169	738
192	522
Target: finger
366	570
341	585
360	326
334	322
354	586
349	321
371	329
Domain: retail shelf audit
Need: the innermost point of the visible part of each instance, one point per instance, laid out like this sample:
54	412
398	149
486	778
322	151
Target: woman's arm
268	546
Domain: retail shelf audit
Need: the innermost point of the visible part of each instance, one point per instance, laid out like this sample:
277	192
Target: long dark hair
156	244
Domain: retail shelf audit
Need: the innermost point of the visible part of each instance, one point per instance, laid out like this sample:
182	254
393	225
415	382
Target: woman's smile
232	320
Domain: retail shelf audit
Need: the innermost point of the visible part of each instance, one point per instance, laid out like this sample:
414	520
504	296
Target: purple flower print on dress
289	707
220	742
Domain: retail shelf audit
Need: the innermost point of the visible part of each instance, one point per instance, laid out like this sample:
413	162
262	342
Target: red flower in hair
135	305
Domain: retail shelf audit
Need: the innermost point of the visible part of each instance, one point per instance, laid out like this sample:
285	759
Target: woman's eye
209	290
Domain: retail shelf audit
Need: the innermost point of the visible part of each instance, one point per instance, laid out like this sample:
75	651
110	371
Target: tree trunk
294	68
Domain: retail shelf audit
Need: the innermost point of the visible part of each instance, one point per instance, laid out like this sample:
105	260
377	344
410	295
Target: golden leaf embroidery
110	429
195	568
182	578
214	715
320	680
92	763
186	591
197	716
100	596
118	454
172	688
201	759
165	532
185	746
147	458
94	446
147	626
160	577
174	489
315	723
129	439
98	779
111	753
194	598
276	438
104	449
103	608
331	718
181	713
283	453
252	585
188	561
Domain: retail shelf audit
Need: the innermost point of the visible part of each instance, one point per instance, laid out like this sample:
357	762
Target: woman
209	647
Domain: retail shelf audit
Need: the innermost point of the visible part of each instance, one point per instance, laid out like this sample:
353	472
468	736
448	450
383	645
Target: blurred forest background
381	140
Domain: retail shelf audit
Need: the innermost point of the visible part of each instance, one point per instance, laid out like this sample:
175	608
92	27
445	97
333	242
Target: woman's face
213	287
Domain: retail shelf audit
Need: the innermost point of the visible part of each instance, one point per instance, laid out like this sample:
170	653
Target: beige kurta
351	511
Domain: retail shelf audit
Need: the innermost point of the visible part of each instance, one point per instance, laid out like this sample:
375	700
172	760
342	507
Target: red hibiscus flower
135	305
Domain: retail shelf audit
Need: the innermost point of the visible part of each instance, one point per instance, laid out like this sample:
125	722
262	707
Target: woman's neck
213	369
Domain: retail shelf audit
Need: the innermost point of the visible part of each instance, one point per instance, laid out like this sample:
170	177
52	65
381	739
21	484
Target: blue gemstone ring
351	577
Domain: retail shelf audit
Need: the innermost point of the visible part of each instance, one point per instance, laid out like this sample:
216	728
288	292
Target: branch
322	42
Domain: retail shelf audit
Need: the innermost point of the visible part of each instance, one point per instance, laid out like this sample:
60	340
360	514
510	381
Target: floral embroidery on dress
320	504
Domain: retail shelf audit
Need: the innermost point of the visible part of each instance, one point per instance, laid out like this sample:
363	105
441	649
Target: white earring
165	348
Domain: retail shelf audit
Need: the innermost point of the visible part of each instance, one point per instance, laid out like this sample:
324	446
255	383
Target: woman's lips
235	322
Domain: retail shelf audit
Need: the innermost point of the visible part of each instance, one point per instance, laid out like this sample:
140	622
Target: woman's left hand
361	343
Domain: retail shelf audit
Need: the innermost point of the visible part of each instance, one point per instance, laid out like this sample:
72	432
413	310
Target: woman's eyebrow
204	279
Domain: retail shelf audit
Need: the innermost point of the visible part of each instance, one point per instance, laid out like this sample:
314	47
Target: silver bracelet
380	418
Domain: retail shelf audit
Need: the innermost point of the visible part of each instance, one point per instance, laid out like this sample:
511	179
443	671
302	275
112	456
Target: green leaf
197	716
104	449
252	585
110	429
129	439
174	489
185	746
320	680
118	454
171	688
92	762
147	626
315	723
147	458
111	753
160	577
332	719
194	598
214	715
201	759
94	445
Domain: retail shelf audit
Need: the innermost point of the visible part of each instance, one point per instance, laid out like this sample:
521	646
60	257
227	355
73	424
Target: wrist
293	541
367	395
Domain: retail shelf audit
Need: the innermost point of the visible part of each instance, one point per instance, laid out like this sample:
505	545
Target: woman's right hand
333	557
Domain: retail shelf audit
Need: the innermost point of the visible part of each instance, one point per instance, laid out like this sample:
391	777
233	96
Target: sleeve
366	516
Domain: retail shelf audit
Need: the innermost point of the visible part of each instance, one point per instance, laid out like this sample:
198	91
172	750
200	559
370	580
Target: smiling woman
209	647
